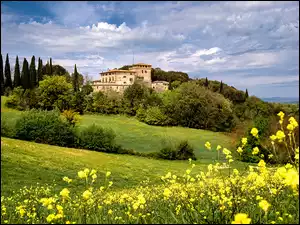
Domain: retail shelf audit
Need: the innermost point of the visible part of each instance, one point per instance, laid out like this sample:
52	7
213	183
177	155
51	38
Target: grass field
26	163
132	134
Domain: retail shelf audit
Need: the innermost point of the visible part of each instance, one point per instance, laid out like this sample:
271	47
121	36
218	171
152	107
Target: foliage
44	127
21	99
71	117
193	106
77	102
7	128
1	76
175	84
53	92
105	103
170	76
32	72
87	89
40	70
7	73
97	138
17	76
75	80
126	67
152	116
25	75
182	151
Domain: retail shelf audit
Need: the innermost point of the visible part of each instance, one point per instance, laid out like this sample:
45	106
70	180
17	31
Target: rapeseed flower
241	218
239	150
254	132
219	147
66	179
264	205
87	194
273	137
65	193
207	145
244	141
255	151
280	135
108	173
82	174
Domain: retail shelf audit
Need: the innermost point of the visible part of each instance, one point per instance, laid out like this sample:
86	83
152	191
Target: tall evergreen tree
51	68
40	70
48	69
1	76
17	76
33	80
206	82
25	75
246	94
221	87
75	79
8	81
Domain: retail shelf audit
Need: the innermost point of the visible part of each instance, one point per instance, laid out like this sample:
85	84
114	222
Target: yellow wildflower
273	137
239	150
110	211
293	122
65	193
255	151
82	174
207	145
66	179
241	218
270	156
254	132
226	151
188	171
87	194
167	192
281	115
86	171
50	218
280	135
290	127
264	205
93	172
244	141
94	176
262	163
219	147
108	174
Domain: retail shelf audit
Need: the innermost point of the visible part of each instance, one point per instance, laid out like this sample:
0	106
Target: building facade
119	80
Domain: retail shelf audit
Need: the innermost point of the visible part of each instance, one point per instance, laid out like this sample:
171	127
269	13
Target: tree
33	80
51	69
221	87
8	81
47	69
1	76
206	82
54	91
75	80
246	94
40	70
25	75
87	89
17	76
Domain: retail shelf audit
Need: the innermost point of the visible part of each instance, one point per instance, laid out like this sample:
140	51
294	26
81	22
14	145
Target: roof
141	64
123	71
160	81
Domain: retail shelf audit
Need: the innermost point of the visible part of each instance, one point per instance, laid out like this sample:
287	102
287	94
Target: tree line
30	76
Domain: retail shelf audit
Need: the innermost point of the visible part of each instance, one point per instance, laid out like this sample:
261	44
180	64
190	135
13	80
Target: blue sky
252	45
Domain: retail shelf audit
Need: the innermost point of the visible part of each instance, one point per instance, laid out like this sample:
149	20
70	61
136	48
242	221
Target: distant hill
282	100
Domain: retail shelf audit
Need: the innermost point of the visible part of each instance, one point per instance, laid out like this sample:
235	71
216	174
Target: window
142	71
124	82
130	79
124	76
145	71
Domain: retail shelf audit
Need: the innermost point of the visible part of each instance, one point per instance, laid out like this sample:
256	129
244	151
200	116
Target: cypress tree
51	69
8	82
17	76
75	80
1	76
48	69
246	94
221	87
206	82
25	75
40	71
33	80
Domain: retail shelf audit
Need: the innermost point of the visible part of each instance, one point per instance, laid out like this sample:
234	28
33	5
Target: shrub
181	151
7	128
71	117
98	139
44	127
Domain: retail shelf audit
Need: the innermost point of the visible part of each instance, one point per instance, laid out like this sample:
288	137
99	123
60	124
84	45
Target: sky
253	45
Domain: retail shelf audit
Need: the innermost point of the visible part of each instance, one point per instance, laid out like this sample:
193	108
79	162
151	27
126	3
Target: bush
98	139
152	116
7	129
71	117
182	151
44	127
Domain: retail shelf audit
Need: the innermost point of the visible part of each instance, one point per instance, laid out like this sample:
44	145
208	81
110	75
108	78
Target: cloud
244	43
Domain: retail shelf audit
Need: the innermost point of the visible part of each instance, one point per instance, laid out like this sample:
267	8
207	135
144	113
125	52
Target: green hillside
132	134
26	163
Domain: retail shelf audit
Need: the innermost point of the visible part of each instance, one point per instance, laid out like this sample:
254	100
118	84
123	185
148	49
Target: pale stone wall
160	86
143	71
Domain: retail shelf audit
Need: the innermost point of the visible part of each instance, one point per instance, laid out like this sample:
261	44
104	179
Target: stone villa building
119	80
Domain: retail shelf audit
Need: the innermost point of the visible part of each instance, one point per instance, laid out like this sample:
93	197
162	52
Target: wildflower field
259	194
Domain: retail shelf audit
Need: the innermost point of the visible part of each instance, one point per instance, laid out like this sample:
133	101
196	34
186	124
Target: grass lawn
26	163
132	134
